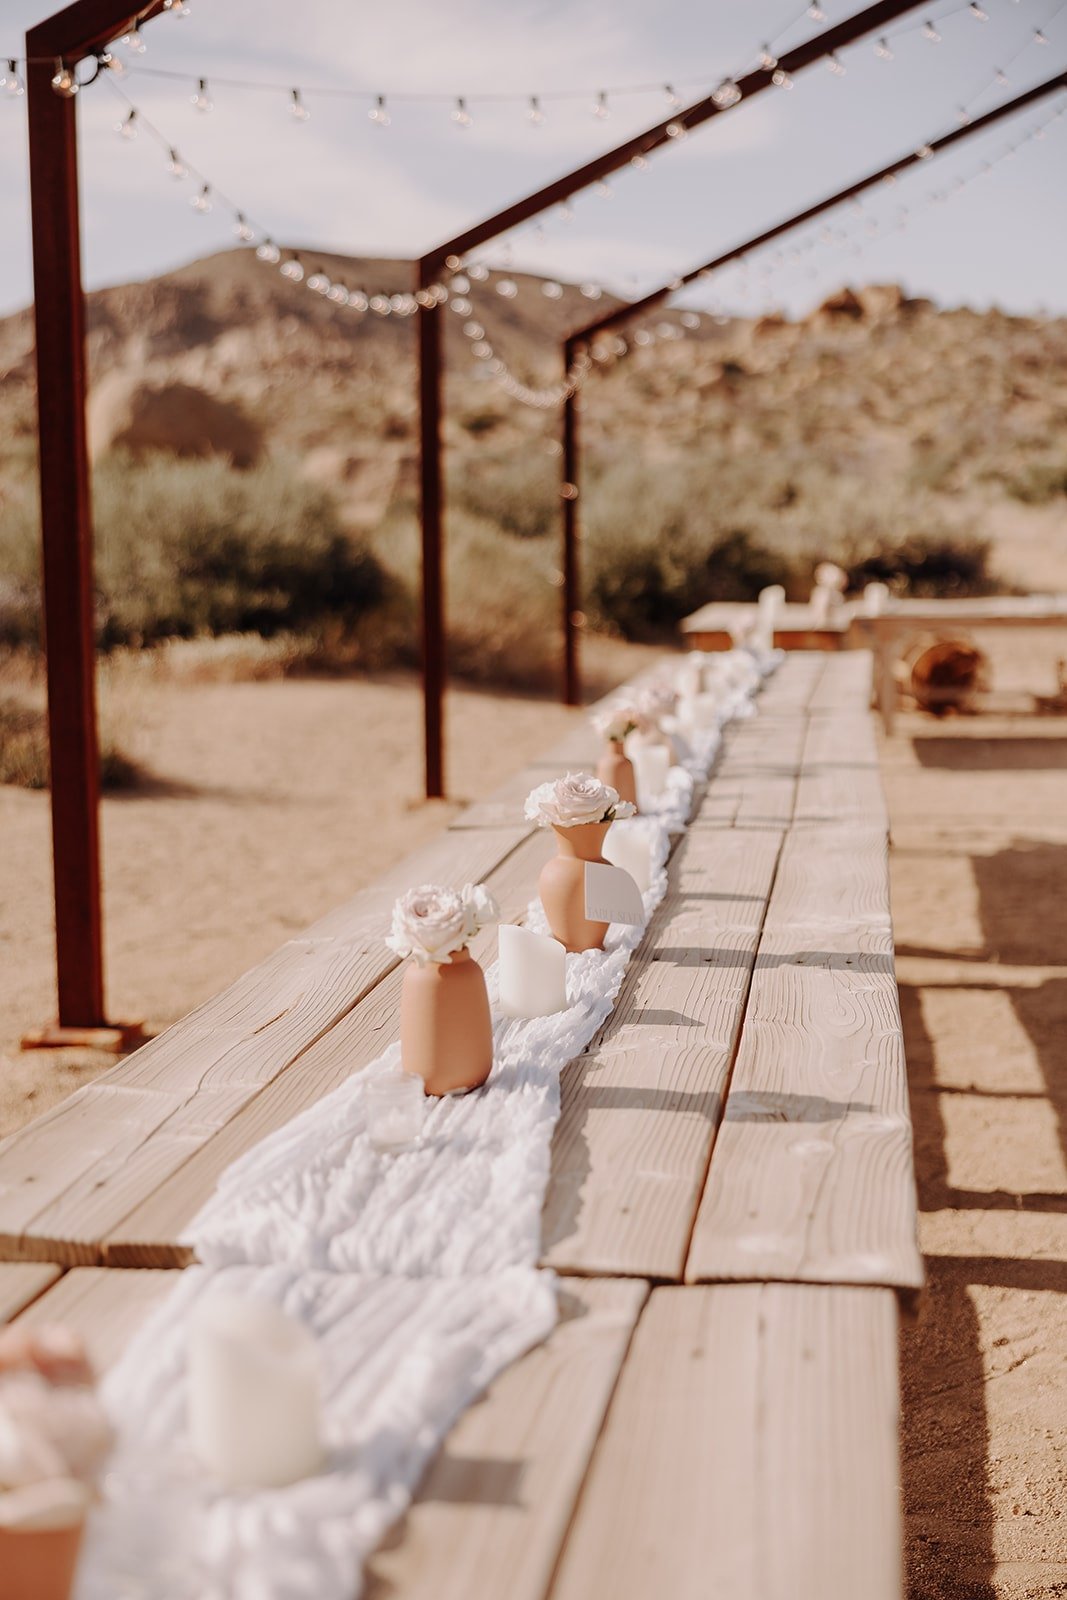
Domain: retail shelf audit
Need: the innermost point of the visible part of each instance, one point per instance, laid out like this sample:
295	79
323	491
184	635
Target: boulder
130	412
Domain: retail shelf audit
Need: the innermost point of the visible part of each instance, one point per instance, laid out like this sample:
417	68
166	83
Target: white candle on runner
532	972
652	762
253	1393
628	846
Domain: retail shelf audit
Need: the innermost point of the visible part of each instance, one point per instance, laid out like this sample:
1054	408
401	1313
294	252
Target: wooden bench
731	1205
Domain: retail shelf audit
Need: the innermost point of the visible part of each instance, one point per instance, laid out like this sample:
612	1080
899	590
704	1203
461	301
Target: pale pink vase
446	1029
562	886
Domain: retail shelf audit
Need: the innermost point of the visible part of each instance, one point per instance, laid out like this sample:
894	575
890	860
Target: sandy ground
256	823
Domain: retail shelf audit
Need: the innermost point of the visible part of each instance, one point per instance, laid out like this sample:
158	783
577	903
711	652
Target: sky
339	181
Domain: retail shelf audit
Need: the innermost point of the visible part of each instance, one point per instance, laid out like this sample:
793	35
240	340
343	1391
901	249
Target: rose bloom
573	801
616	721
431	923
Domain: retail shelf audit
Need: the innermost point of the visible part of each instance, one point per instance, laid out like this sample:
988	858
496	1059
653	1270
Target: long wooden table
731	1205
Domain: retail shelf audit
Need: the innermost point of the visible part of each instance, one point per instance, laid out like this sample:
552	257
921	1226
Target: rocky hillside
896	395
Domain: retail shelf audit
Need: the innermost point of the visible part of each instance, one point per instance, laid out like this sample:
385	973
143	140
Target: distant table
885	633
796	627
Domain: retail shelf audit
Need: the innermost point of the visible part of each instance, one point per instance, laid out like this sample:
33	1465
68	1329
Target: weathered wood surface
22	1282
812	1174
149	1234
750	1452
69	1178
640	1106
491	1514
105	1307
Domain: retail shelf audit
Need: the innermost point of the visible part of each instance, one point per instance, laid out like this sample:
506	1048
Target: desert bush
519	492
1037	482
24	750
188	548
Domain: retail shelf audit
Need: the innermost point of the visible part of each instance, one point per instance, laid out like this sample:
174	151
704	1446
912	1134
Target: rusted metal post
434	664
570	494
66	532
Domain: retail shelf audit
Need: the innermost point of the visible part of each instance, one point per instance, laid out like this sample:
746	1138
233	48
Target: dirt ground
251	827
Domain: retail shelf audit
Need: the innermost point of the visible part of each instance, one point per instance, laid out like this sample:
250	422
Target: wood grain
105	1307
69	1178
21	1282
149	1234
811	1177
750	1452
640	1106
491	1514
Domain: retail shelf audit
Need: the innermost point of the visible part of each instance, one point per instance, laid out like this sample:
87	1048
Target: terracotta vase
562	886
38	1562
446	1030
616	768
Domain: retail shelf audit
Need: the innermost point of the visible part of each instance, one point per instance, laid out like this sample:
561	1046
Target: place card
611	895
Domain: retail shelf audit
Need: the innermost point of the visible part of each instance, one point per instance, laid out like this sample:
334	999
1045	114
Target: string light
816	13
201	99
767	59
835	65
202	201
669	95
535	116
127	128
1000	77
268	251
177	8
133	42
781	79
726	95
977	12
64	82
298	110
883	50
243	230
176	166
600	108
930	32
460	115
11	83
378	114
1039	37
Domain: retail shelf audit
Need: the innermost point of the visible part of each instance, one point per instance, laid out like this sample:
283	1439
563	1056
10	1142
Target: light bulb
963	116
592	291
357	300
127	128
639	163
64	82
671	98
535	116
379	303
601	109
477	272
726	95
134	42
781	79
552	290
201	99
768	60
461	117
835	65
924	152
977	12
108	63
930	32
507	287
483	350
604	190
1001	78
1039	37
177	8
293	270
378	114
319	282
474	330
11	83
689	319
241	228
297	109
816	13
176	166
459	304
338	294
883	50
268	251
460	284
202	202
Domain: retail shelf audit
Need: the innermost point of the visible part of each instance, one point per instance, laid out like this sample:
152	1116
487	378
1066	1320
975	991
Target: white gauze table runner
417	1273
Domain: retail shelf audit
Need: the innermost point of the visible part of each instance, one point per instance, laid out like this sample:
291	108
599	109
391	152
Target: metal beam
634	308
66	519
572	586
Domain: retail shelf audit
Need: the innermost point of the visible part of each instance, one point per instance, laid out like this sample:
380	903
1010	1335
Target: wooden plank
149	1234
840	780
845	683
491	1514
811	1178
640	1107
67	1179
22	1282
750	1452
105	1307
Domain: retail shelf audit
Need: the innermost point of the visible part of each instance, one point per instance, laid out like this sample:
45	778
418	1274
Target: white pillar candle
628	846
394	1104
768	610
253	1393
532	973
875	599
652	762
